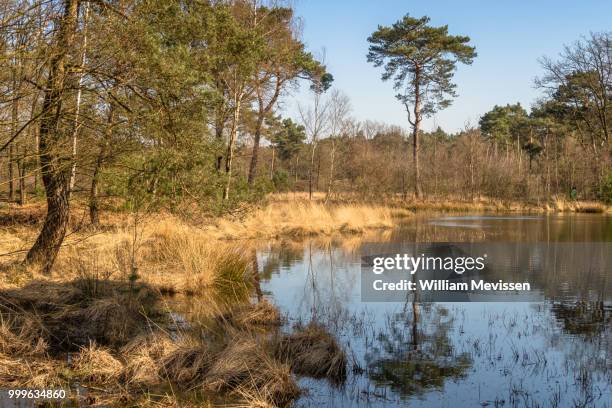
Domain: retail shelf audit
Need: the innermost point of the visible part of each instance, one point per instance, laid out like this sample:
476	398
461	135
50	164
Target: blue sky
509	37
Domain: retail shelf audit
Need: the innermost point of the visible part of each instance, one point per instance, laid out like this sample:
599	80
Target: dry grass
314	352
307	218
22	336
96	364
245	367
245	316
90	304
28	372
68	318
193	262
562	205
23	354
167	254
485	204
143	355
187	364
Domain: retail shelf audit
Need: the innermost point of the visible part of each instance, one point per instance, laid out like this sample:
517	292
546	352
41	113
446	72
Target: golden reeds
307	218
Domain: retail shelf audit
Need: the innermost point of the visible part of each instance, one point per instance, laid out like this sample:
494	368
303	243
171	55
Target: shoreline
94	279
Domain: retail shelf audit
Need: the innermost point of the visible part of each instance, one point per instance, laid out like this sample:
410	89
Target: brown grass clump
187	365
143	356
29	372
43	296
561	204
108	321
22	336
252	399
312	351
196	262
96	364
244	366
591	207
261	314
23	354
70	318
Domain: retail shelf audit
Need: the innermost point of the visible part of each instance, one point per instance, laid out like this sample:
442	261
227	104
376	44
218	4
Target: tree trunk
94	205
471	166
415	138
230	147
311	169
21	168
272	163
220	120
219	127
34	134
55	166
14	127
330	182
94	209
435	167
75	129
254	156
11	184
518	153
318	172
37	164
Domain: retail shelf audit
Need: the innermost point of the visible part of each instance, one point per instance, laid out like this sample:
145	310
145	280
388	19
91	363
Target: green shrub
280	179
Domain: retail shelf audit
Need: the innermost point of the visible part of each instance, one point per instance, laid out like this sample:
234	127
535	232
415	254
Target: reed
308	218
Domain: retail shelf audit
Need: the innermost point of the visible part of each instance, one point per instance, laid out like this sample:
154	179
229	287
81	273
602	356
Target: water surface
551	353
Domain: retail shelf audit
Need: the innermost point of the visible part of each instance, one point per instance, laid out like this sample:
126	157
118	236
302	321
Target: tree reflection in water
415	355
581	317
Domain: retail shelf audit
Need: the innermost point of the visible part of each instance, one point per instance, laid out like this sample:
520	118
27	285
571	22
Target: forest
176	104
117	112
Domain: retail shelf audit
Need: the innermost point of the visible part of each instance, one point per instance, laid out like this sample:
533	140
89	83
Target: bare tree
315	119
339	109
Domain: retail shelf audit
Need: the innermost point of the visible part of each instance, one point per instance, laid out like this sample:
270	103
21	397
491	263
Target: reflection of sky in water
465	354
477	221
456	224
490	217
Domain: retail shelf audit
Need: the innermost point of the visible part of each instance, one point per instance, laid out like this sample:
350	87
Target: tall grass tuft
193	263
187	364
314	352
244	366
96	364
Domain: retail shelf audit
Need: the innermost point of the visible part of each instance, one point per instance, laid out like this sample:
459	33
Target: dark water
552	353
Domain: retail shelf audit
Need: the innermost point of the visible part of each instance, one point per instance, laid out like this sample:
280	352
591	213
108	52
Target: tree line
142	99
177	104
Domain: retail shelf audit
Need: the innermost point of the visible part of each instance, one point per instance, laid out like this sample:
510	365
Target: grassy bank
489	205
451	203
105	317
119	345
108	316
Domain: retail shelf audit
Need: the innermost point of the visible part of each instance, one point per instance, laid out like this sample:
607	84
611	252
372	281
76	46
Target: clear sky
509	35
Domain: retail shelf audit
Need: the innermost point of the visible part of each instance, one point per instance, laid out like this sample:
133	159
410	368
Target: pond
553	352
